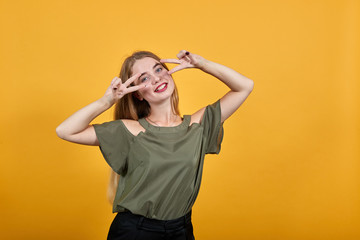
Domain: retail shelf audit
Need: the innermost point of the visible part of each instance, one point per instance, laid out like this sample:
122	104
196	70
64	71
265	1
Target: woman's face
159	84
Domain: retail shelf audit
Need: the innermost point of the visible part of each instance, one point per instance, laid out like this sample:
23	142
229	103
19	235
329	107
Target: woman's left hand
185	60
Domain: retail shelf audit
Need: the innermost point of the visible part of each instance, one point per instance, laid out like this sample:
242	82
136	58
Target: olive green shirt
160	169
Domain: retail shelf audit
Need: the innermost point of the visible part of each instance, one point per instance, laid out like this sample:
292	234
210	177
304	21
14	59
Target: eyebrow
156	64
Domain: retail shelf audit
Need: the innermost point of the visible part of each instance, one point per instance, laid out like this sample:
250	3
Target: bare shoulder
133	126
197	116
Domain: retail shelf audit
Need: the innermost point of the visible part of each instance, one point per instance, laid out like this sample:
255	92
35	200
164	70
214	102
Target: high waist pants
129	226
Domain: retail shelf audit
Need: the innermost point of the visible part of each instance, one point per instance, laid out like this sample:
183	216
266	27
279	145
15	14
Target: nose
156	79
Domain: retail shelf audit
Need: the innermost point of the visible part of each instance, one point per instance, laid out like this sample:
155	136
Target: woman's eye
159	69
144	79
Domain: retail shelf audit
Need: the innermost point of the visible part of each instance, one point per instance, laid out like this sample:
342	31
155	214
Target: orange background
289	165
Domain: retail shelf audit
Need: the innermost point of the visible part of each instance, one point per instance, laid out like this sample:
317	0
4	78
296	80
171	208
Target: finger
116	84
175	69
113	80
170	60
181	54
135	88
130	80
191	57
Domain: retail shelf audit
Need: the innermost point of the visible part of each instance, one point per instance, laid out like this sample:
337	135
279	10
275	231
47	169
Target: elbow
247	85
59	132
251	85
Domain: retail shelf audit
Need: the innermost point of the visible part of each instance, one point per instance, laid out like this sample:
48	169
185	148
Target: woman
157	154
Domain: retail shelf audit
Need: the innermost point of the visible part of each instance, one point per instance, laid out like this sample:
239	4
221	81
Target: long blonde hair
129	106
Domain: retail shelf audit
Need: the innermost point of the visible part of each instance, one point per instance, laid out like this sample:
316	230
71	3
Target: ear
137	95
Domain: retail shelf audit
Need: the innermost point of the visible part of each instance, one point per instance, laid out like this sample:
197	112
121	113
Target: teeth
162	86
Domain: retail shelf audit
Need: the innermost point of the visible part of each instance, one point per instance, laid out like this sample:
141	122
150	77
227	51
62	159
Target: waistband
156	225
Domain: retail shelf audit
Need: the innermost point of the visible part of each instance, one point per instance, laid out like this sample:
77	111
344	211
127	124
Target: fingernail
187	53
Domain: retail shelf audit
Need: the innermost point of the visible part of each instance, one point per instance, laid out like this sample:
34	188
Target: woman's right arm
77	127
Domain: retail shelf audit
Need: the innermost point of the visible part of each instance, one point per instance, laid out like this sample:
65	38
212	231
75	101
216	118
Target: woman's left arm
240	86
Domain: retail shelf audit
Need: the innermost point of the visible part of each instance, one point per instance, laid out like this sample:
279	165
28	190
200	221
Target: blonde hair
129	106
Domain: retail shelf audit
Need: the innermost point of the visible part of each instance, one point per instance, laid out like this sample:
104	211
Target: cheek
145	90
167	76
165	73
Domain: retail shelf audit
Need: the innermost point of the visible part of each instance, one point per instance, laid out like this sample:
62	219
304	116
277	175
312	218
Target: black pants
129	226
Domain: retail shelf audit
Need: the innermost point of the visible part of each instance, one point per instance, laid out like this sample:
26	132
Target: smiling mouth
161	87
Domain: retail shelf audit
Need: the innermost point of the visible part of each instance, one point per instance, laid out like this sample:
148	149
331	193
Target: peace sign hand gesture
118	89
185	60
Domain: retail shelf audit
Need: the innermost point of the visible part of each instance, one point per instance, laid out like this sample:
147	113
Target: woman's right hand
77	128
117	89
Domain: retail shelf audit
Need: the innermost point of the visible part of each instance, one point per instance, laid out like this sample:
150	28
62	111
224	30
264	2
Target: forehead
144	65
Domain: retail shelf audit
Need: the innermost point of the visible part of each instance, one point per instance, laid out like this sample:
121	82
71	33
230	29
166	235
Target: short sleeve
114	144
213	128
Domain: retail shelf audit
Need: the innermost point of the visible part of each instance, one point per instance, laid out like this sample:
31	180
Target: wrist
105	102
205	65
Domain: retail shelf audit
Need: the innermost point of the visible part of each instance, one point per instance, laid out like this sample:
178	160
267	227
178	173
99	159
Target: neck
162	115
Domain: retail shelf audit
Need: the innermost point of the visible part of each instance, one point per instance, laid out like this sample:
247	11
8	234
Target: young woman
156	156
